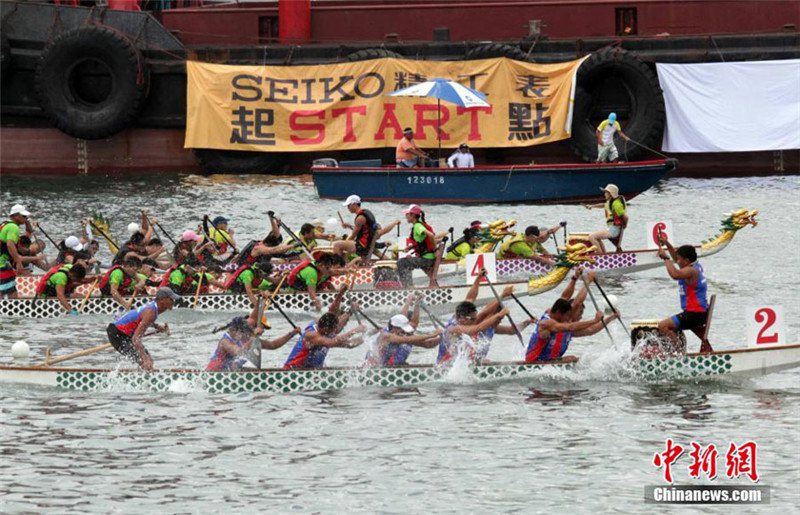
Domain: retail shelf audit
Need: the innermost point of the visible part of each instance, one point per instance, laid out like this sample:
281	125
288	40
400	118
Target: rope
648	148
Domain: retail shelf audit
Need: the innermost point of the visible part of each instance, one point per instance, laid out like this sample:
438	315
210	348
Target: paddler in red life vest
241	334
125	335
693	289
616	211
121	280
251	280
312	276
562	322
11	263
365	231
318	337
421	242
529	245
393	344
60	282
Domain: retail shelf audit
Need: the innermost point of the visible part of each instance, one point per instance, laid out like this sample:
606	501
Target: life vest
42	287
3	246
295	281
547	349
611	217
186	286
165	278
505	248
224	236
426	246
103	285
235	275
367	234
304	357
693	296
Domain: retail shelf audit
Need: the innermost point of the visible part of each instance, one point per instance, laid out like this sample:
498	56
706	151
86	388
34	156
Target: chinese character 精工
404	79
250	125
523	126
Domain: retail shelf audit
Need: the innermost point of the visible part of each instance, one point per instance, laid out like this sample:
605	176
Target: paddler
318	337
394	343
188	250
467	321
312	276
465	245
616	211
240	335
562	322
528	245
184	279
11	263
121	280
421	242
134	247
125	335
365	230
60	281
251	279
693	289
222	236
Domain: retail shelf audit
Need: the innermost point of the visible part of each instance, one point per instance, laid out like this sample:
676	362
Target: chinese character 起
667	458
250	126
532	86
523	126
741	460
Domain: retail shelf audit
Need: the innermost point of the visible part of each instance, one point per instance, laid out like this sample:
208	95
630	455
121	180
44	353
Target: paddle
158	224
197	292
435	321
224	237
39	226
280	310
253	354
597	308
510	320
344	226
164	250
372	323
263	317
48	361
103	234
307	252
705	346
88	294
520	304
600	288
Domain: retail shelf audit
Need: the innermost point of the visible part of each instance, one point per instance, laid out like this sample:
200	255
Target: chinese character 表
250	124
705	461
532	86
741	460
667	458
523	126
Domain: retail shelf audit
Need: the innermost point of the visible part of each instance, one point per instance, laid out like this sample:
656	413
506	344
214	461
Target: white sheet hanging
731	107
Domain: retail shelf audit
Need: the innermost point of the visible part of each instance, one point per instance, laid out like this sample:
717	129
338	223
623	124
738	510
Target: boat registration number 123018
425	179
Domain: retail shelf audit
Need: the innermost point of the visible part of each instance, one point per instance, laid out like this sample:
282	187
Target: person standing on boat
461	158
528	245
407	154
562	322
421	242
11	263
365	230
394	343
616	211
125	335
240	335
693	289
606	150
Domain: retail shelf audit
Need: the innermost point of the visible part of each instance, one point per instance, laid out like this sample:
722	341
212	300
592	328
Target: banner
731	107
345	105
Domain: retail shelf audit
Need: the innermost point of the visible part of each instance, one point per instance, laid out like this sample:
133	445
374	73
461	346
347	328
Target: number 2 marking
767	317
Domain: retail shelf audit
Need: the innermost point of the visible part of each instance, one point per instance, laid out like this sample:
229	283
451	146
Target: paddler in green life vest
421	243
122	280
185	279
465	245
60	282
251	279
528	245
616	211
312	276
11	262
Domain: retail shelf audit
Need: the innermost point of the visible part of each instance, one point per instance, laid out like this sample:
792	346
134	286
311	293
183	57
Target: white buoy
133	228
331	224
20	350
613	300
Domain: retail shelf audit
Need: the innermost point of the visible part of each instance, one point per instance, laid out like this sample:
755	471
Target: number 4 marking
476	269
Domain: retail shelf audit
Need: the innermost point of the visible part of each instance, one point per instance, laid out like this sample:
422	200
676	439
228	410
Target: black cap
531	230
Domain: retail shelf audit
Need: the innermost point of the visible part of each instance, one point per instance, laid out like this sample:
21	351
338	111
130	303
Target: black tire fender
91	82
616	80
239	161
491	50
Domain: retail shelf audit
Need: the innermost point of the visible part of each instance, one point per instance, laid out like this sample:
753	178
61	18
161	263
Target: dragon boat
544	275
691	367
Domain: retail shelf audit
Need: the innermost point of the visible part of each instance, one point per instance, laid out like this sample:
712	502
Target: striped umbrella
447	90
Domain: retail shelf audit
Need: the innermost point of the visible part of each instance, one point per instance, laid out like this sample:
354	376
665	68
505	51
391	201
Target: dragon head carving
577	254
739	219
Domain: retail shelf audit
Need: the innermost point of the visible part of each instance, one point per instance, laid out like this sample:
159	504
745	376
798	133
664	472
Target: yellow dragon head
574	255
739	219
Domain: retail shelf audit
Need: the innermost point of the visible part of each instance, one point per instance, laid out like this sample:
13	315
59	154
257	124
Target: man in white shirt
461	158
606	150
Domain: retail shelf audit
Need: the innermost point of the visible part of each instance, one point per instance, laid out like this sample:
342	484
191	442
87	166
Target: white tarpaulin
731	107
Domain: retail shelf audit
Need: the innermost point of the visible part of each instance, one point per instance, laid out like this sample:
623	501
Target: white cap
352	199
401	322
19	209
73	243
133	228
613	189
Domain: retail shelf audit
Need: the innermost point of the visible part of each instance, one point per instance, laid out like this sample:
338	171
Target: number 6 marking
767	317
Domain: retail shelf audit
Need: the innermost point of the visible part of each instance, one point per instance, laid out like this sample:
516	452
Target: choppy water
583	440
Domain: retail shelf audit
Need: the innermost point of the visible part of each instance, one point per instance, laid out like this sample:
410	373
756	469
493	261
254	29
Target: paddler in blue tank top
318	337
394	343
126	333
240	335
693	293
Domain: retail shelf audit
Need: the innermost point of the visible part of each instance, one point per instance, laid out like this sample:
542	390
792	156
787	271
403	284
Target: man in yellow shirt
407	153
606	150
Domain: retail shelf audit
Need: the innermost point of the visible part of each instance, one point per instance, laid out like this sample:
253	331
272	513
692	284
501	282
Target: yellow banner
345	105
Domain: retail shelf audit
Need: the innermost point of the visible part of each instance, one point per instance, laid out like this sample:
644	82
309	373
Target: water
585	439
